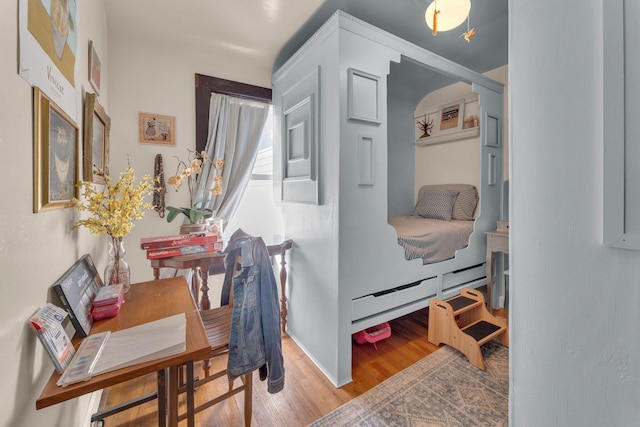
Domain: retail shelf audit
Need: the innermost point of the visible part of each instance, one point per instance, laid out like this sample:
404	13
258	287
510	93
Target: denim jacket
255	341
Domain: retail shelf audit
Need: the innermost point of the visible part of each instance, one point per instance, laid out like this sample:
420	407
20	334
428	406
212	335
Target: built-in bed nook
353	178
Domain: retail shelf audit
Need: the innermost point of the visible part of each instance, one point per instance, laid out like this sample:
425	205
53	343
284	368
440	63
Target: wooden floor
307	395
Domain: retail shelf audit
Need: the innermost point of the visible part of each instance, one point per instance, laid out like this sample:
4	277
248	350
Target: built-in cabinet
344	158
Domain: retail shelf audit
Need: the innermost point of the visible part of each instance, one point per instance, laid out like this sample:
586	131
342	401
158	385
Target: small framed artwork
97	126
157	129
94	68
55	155
451	115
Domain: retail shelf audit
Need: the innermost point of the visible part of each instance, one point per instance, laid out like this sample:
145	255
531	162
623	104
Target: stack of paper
150	341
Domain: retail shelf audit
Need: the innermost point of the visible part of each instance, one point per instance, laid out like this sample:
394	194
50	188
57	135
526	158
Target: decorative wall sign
55	155
157	129
97	126
48	49
451	115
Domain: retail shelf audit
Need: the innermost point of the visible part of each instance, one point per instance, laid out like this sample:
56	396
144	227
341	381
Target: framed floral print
55	155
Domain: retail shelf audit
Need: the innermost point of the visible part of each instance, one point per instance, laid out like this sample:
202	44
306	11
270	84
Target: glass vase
117	270
214	226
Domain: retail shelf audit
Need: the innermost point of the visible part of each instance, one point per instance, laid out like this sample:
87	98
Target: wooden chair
217	323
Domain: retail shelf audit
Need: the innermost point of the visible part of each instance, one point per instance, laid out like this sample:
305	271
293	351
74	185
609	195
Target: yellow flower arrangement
114	207
187	173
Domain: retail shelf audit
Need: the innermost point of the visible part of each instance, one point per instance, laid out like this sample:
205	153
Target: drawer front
459	277
397	297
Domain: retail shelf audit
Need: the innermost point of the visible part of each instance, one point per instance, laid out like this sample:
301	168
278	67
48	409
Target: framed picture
94	68
451	115
97	125
157	129
55	155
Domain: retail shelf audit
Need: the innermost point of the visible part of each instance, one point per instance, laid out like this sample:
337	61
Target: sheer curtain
235	127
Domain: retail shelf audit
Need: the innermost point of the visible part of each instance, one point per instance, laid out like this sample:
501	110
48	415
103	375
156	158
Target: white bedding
433	240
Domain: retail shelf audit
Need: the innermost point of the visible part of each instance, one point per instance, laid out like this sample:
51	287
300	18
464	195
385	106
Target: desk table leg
162	399
172	408
283	298
190	395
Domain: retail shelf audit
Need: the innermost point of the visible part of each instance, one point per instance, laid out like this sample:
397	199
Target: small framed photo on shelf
157	129
55	155
95	68
97	126
451	116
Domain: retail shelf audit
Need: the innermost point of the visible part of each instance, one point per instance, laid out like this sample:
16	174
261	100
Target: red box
105	311
107	302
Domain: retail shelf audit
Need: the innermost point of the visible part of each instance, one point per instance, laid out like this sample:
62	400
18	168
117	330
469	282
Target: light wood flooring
307	395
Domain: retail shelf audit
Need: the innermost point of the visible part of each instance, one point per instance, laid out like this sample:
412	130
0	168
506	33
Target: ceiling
264	33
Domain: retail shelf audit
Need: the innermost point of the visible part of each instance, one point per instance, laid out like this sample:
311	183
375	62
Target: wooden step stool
464	323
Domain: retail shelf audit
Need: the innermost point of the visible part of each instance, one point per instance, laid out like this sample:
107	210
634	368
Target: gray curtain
235	127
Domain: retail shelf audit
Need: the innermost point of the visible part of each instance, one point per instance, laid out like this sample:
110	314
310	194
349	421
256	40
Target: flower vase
117	270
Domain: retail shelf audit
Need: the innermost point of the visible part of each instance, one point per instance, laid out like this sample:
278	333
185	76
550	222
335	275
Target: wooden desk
213	263
497	241
145	302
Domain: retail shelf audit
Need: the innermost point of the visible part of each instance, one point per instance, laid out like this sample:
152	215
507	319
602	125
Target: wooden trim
205	85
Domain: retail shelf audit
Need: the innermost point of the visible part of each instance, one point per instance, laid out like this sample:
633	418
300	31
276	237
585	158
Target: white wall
35	249
150	78
575	352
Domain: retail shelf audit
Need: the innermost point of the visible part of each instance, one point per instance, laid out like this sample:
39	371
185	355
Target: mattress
433	240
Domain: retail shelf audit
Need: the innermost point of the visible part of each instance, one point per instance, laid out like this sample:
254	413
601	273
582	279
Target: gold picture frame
157	129
97	127
55	155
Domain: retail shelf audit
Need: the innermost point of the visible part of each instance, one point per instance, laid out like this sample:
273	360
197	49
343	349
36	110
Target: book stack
180	244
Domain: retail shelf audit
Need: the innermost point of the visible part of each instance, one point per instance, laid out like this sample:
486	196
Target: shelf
449	136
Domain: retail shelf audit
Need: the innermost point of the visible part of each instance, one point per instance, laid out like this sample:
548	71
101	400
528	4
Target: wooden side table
497	241
213	263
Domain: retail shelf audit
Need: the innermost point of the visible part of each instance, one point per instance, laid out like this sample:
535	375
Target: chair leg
206	366
248	398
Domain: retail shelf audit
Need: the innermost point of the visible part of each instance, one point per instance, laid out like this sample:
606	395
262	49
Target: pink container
108	295
373	334
107	302
105	311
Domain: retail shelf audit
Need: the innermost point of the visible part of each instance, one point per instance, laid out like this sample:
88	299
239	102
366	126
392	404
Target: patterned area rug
443	389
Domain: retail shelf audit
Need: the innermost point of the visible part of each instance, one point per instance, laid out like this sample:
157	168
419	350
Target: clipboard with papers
108	351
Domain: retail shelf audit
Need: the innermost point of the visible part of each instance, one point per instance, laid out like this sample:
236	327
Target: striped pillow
436	204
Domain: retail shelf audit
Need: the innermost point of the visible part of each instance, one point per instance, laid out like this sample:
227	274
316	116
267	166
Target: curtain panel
235	128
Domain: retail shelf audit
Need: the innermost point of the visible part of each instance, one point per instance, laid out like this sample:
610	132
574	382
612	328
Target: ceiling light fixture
445	15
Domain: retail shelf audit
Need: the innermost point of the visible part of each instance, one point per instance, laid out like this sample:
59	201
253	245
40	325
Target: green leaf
173	213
